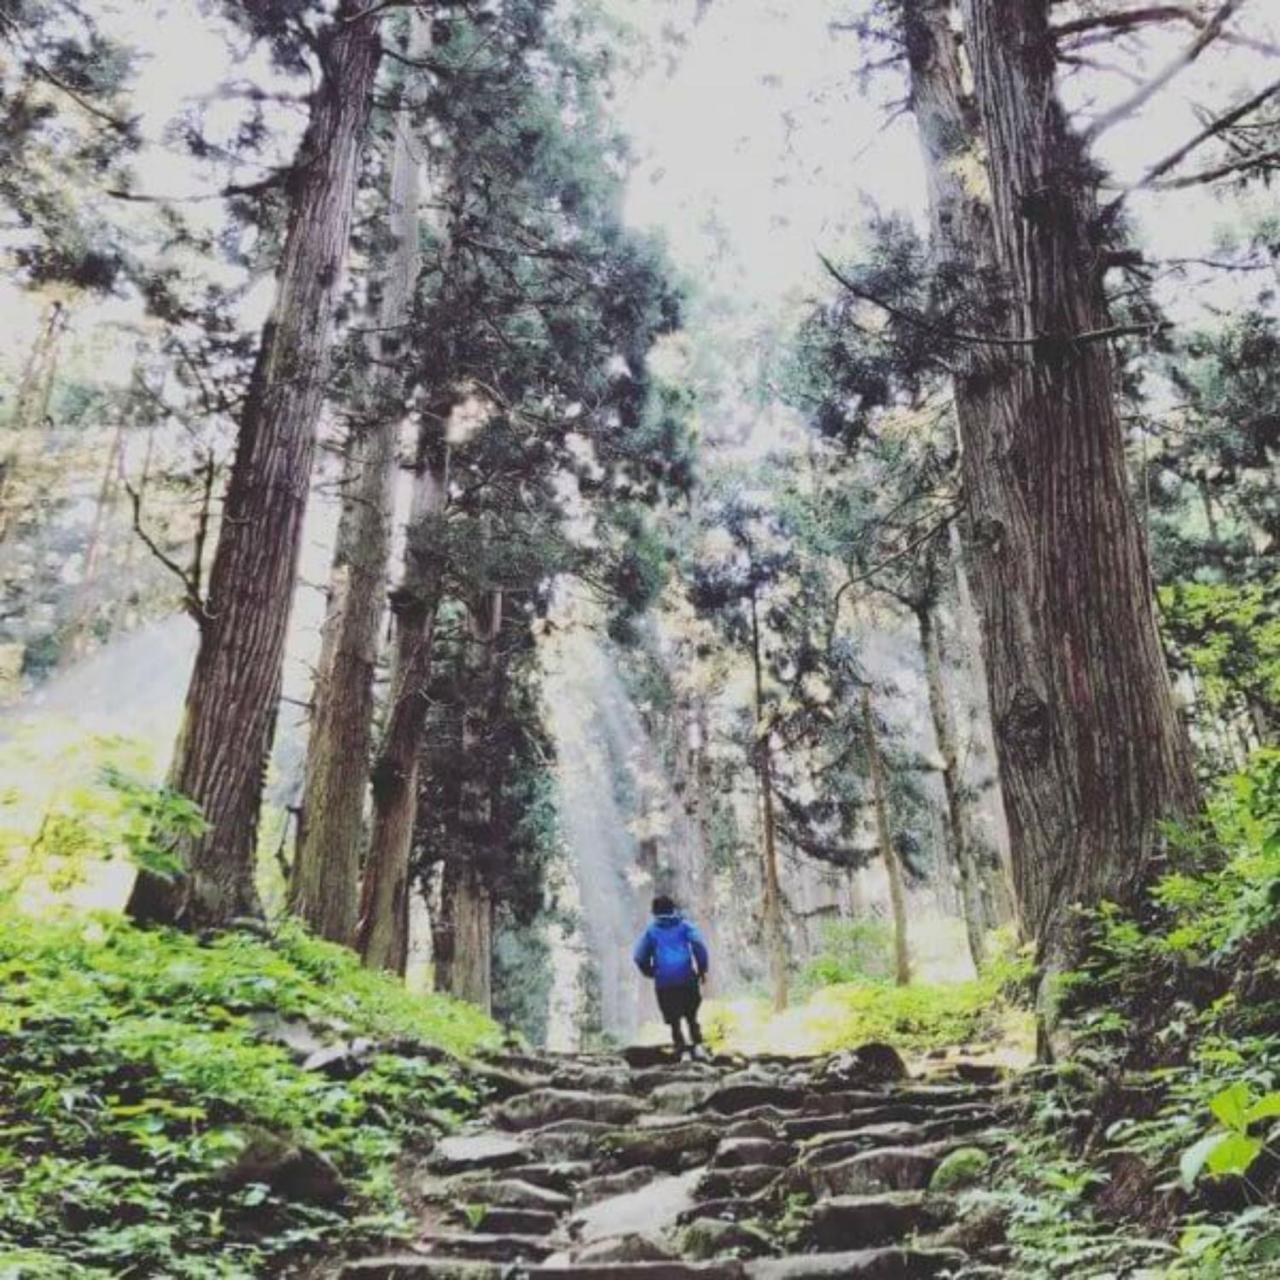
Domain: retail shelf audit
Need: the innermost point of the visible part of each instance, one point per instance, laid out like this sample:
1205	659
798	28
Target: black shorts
680	1002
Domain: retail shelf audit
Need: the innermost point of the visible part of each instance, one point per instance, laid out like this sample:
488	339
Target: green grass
913	1019
132	1081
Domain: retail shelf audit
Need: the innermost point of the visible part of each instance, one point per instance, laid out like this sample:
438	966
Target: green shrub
133	1078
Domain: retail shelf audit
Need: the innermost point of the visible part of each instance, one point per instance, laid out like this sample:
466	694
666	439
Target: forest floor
768	1168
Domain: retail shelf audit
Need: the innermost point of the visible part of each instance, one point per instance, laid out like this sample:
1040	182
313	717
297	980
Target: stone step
864	1264
487	1247
603	1186
905	1112
829	1148
561	1175
673	1147
745	1180
730	1270
733	1153
882	1169
412	1266
506	1220
730	1209
511	1193
464	1152
867	1221
570	1140
542	1107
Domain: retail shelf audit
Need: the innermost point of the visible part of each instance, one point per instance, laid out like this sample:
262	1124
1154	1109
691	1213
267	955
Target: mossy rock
964	1167
708	1238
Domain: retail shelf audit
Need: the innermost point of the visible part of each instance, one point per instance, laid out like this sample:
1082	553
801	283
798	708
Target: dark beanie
662	905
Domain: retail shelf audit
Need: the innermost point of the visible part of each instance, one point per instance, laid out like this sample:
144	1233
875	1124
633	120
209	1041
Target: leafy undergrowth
914	1019
149	1127
1155	1150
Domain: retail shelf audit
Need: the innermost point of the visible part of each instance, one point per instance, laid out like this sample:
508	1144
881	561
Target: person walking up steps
673	954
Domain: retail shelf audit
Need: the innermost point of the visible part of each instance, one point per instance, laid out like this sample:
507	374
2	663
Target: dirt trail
604	1167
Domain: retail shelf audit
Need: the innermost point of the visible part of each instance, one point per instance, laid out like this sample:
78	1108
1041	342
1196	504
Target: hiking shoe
699	1053
686	1055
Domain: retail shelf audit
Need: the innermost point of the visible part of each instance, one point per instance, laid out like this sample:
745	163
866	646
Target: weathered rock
728	1209
676	1147
342	1061
865	1264
291	1170
629	1248
561	1175
642	1056
709	1238
833	1147
733	1153
686	1073
476	1151
746	1180
882	1169
515	1194
500	1083
570	1140
601	1079
642	1271
487	1247
980	1072
869	1064
547	1106
866	1221
501	1219
682	1095
649	1209
887	1113
964	1167
411	1266
592	1190
731	1099
758	1128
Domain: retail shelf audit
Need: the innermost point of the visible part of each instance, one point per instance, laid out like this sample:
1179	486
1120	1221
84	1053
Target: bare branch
1128	19
190	590
1208	34
1257	160
990	340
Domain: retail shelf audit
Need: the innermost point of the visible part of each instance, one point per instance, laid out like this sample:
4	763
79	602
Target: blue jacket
671	952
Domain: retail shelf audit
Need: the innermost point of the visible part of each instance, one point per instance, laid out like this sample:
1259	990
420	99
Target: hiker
673	954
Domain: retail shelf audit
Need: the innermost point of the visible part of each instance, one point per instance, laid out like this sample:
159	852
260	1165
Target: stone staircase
604	1167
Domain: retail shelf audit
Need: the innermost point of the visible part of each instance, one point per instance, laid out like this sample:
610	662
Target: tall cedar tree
1092	757
324	884
537	311
228	721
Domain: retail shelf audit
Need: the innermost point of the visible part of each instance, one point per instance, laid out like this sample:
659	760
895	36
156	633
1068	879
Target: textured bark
1092	757
884	838
971	904
228	722
774	925
325	884
469	913
382	931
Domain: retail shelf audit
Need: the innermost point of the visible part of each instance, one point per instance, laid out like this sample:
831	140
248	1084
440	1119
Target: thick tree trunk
989	834
228	722
774	925
884	838
324	889
971	904
471	910
1092	757
382	931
